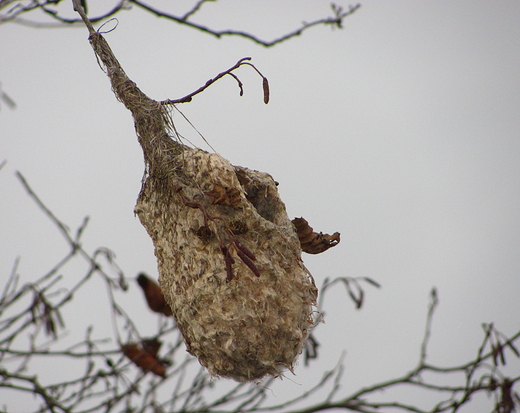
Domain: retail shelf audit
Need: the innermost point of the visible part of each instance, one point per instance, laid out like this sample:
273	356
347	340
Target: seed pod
265	85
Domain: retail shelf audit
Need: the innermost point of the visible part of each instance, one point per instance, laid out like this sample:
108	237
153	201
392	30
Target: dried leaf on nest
144	359
225	196
313	242
153	294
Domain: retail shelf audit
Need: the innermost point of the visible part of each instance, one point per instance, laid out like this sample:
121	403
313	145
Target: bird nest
229	258
229	264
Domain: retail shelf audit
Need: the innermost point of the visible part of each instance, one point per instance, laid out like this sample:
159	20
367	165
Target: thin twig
335	21
63	229
194	9
189	97
431	310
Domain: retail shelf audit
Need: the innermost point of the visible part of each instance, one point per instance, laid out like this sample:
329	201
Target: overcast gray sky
401	131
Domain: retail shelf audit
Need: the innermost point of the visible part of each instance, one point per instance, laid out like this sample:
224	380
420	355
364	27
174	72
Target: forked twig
243	61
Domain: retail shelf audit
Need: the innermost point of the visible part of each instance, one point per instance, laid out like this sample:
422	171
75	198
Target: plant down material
243	314
229	258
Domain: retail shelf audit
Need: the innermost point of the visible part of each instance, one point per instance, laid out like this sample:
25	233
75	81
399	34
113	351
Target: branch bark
336	20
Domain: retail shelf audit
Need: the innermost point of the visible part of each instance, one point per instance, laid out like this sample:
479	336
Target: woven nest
229	258
244	320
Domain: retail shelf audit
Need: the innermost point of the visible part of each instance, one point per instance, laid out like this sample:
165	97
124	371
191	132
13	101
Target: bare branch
194	9
106	384
243	61
109	382
14	15
337	21
431	310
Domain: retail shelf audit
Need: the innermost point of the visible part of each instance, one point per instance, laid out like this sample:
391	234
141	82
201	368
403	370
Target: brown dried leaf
151	346
313	242
225	196
153	294
143	359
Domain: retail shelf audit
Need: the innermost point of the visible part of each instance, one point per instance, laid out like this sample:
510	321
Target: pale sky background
401	131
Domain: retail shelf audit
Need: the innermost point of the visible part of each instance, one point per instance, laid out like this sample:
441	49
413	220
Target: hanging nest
229	264
229	258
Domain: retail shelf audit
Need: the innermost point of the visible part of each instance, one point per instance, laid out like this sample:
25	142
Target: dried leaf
218	195
141	358
153	294
313	242
151	346
225	196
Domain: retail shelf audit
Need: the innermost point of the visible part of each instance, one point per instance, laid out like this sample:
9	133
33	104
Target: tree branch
99	387
336	20
243	61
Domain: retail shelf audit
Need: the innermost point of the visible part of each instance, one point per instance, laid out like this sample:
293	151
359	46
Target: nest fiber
229	258
245	324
